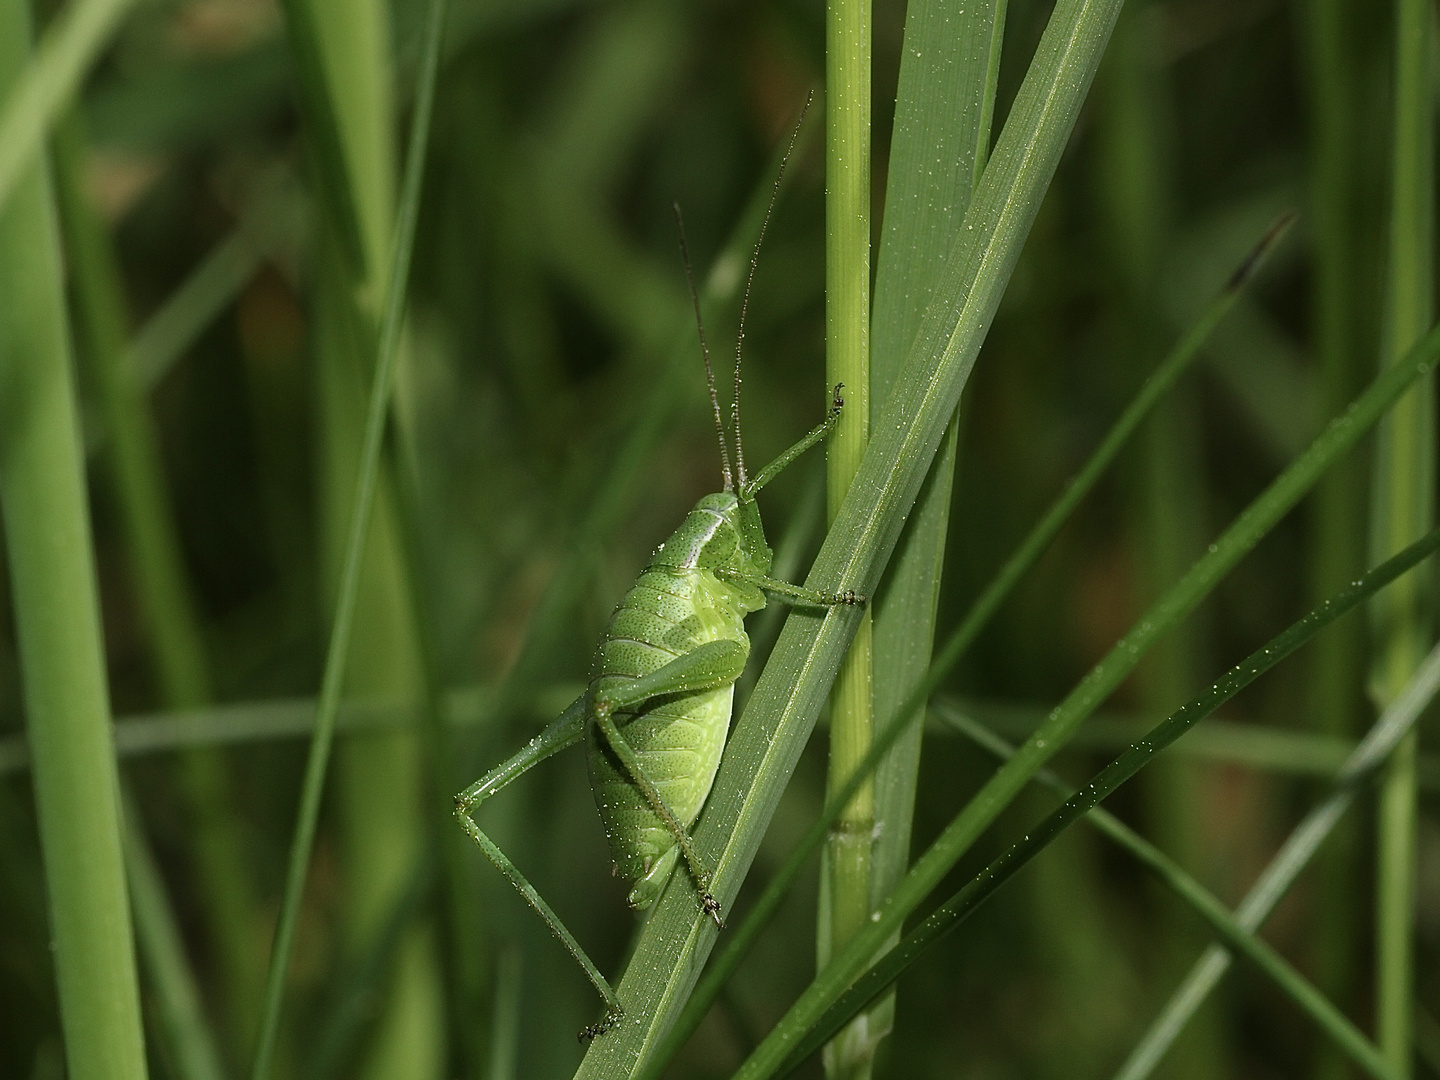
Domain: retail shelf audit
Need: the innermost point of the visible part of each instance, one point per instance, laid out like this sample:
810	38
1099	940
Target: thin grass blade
176	990
1252	524
1205	904
366	483
1294	855
805	1040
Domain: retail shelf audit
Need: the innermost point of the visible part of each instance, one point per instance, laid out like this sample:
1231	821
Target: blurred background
551	429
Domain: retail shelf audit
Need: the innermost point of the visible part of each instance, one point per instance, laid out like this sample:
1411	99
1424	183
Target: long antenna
750	280
704	351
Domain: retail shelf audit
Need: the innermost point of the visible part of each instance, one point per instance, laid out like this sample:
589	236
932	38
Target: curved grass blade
818	1026
1252	524
739	941
1374	750
337	654
777	721
37	97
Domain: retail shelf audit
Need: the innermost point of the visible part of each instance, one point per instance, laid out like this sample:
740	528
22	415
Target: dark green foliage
550	428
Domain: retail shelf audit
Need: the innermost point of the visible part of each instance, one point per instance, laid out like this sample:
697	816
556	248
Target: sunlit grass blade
34	101
798	1034
769	736
1294	855
899	721
1205	904
366	483
55	608
176	990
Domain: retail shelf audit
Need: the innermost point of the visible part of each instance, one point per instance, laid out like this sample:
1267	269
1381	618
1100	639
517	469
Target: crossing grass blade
1252	524
796	1042
1205	904
781	712
366	483
1281	872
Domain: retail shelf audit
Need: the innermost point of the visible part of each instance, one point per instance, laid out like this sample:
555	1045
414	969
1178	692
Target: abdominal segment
678	742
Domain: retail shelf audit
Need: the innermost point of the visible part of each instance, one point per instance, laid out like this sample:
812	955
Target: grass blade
1205	904
178	324
171	620
335	661
770	734
1403	508
36	99
950	61
176	990
1304	841
983	886
57	620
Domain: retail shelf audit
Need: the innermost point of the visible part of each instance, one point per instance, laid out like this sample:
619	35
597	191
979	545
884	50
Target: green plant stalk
57	620
798	1036
767	739
949	66
168	609
1337	550
177	993
1253	523
380	779
1404	507
360	520
1204	903
1292	858
844	901
1136	165
34	100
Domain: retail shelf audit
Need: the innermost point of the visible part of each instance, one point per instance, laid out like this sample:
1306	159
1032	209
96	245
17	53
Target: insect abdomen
678	740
